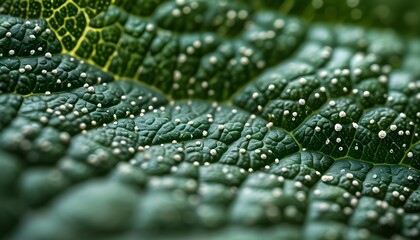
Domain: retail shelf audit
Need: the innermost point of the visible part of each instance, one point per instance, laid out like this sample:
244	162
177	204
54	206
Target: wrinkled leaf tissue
230	119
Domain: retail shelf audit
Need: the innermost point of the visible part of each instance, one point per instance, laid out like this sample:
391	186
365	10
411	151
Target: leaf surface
175	119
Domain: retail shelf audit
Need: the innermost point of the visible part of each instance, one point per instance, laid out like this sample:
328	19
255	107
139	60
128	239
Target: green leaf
224	119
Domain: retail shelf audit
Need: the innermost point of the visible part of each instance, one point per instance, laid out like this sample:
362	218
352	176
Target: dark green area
219	119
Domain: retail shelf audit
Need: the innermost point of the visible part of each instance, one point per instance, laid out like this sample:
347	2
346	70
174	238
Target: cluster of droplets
37	36
135	108
213	152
